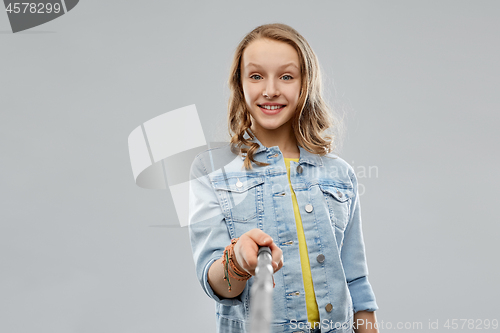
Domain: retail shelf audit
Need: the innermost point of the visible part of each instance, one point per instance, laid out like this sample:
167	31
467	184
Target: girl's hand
247	248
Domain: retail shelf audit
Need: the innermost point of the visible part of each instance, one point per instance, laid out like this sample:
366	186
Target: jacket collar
305	156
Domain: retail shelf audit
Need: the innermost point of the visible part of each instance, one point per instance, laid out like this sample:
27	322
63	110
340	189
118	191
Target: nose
271	89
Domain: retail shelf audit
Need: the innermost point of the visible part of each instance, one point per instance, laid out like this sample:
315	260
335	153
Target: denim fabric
225	201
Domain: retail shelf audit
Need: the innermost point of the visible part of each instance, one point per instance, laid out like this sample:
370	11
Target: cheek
248	99
246	92
297	93
250	95
293	95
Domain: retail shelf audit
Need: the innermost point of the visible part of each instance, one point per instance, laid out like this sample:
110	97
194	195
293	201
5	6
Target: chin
270	127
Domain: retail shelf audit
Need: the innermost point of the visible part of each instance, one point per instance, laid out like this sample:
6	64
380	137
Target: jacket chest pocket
242	198
338	200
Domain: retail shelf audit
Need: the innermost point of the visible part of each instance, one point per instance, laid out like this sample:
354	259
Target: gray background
83	249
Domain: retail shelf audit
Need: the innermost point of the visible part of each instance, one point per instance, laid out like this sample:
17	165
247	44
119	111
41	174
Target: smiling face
272	68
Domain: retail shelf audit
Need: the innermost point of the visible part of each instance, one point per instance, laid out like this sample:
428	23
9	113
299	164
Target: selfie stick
261	293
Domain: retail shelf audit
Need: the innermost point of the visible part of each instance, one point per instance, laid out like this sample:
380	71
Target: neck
285	140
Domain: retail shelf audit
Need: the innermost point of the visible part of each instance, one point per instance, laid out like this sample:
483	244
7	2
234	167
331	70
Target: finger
276	252
259	237
281	263
277	256
249	250
246	253
256	238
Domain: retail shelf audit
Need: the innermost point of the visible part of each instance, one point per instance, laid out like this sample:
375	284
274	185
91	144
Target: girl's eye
258	77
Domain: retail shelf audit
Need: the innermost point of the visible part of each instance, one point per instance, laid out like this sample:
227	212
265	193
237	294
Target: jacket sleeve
208	232
354	258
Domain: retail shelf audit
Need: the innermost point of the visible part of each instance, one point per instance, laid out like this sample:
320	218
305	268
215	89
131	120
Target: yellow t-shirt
312	306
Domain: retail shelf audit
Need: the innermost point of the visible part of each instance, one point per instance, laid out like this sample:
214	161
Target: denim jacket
226	200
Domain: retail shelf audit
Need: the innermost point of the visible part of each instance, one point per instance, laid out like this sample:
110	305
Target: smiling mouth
274	107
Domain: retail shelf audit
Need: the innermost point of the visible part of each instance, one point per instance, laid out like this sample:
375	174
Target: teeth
271	107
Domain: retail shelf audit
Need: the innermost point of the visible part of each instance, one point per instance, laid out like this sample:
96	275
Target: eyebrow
281	67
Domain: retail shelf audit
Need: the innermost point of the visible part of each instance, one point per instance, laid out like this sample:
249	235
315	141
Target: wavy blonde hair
313	118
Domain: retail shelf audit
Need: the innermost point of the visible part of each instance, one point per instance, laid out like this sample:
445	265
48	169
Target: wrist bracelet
227	260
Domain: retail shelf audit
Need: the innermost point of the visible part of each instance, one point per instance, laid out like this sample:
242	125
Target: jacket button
339	194
320	258
329	307
309	208
299	169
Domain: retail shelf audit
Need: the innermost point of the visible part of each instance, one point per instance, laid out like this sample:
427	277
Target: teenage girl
278	184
